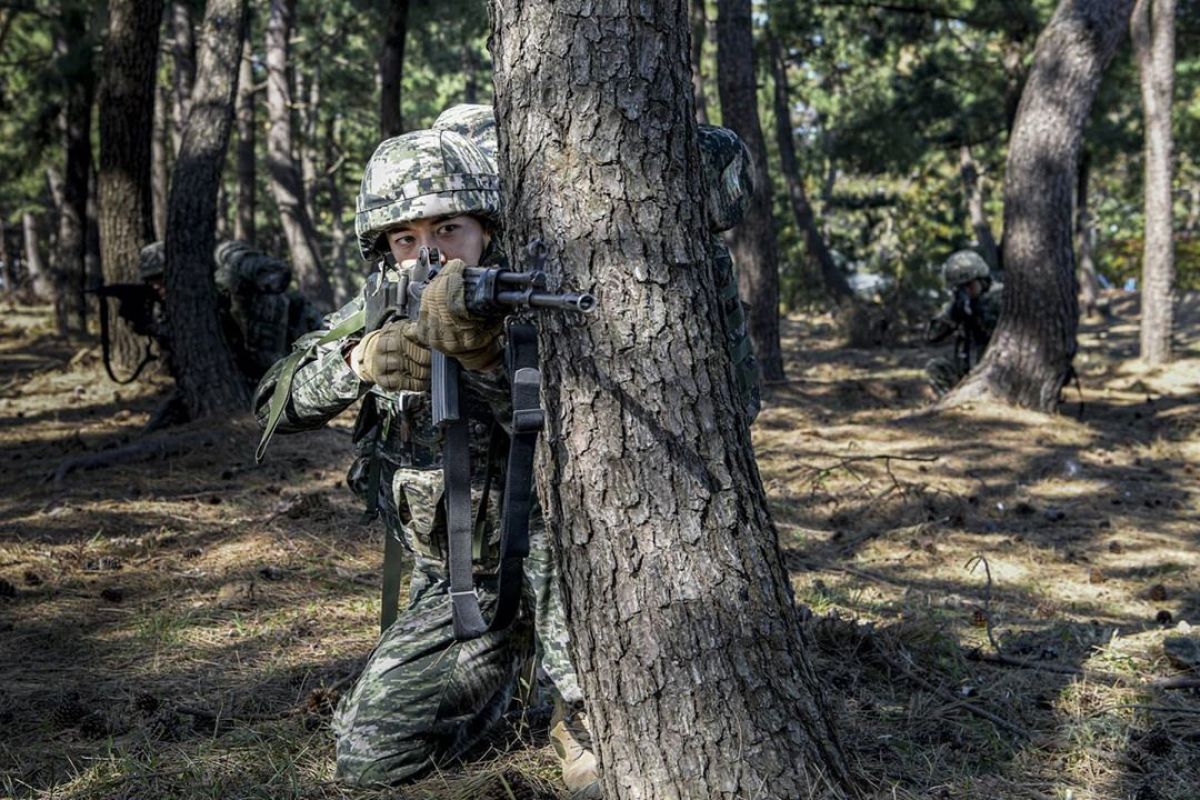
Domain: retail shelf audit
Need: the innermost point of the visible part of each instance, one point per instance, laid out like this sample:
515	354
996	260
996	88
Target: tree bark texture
160	169
835	282
243	224
1153	31
70	263
203	363
286	184
683	626
1085	235
968	170
391	67
310	117
125	201
183	72
39	280
753	243
699	23
1032	350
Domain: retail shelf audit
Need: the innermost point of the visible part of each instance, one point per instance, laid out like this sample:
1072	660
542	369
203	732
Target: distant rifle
490	292
135	305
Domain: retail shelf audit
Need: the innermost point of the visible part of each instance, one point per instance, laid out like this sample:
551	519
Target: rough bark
699	22
243	221
286	184
1089	283
202	360
1153	33
835	282
973	195
183	72
126	204
1032	350
70	265
391	67
39	281
683	626
753	243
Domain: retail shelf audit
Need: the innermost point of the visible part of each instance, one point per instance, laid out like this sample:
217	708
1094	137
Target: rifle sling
527	421
283	386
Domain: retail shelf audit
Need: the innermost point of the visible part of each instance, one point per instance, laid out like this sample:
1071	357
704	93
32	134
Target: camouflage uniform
970	320
424	698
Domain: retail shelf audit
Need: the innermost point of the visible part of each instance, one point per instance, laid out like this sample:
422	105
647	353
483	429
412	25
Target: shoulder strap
283	385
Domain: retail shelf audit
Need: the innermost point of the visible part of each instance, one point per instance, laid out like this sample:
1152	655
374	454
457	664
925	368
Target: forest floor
993	593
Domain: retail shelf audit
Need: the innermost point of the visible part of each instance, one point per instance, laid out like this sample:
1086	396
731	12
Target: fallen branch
972	565
1178	682
145	450
1000	659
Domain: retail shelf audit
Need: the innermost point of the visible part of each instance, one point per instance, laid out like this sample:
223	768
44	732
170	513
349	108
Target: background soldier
969	316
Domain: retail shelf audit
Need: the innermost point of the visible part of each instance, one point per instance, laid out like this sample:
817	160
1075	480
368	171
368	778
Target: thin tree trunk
469	63
683	626
391	67
754	246
39	281
183	73
340	256
9	264
835	282
243	227
126	204
286	184
93	272
699	23
1032	350
1089	283
1153	29
973	194
204	365
310	118
70	263
160	149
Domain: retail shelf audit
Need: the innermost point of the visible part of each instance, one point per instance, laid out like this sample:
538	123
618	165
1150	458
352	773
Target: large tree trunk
1089	283
70	263
160	169
243	221
835	282
203	363
183	72
1031	353
682	620
1154	47
391	67
39	281
286	185
754	247
126	204
699	23
973	194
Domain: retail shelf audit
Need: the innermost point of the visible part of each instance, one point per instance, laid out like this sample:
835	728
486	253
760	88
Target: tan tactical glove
445	324
391	359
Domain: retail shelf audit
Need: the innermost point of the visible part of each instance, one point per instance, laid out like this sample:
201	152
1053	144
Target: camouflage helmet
151	262
419	175
240	267
476	122
728	180
963	267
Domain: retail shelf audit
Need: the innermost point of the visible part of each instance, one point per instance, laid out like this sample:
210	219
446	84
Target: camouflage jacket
970	320
394	430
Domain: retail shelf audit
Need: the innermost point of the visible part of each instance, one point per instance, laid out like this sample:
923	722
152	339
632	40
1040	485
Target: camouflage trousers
944	373
424	698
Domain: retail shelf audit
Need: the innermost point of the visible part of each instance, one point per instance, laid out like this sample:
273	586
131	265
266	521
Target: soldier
970	316
425	698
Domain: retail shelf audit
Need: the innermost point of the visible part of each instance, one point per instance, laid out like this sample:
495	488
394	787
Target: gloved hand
446	325
391	359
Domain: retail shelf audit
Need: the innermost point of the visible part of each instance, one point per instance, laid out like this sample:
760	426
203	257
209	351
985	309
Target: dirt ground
993	594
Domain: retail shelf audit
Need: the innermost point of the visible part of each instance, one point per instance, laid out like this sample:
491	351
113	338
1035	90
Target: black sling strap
527	421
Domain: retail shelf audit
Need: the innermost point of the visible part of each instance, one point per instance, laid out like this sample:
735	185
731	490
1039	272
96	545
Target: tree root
144	450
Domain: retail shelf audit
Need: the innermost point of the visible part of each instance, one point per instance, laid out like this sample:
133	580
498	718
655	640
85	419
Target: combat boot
572	737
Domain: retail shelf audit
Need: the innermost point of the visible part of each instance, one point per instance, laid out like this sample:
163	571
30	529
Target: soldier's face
974	288
461	236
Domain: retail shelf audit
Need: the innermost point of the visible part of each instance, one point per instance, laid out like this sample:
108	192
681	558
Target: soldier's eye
448	229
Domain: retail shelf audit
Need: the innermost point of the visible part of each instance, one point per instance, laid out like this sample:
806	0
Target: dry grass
178	628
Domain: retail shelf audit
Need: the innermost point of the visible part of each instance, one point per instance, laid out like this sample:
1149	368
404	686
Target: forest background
181	627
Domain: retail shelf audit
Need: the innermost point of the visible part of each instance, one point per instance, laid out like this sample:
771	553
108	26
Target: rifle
135	304
489	292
